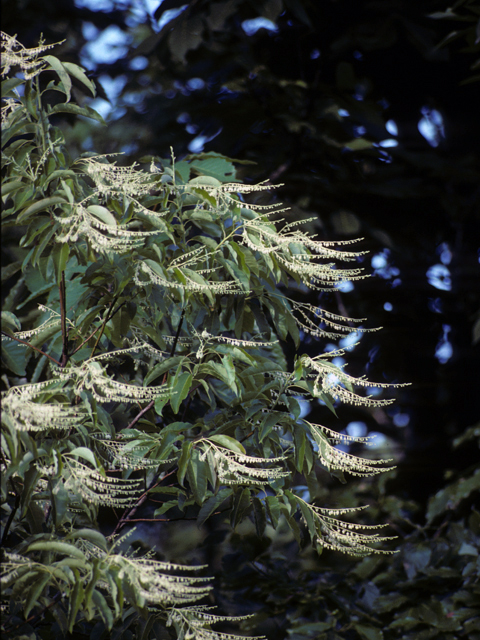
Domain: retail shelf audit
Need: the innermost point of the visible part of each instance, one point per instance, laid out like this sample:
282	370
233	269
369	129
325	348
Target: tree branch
129	513
107	318
31	347
12	513
63	317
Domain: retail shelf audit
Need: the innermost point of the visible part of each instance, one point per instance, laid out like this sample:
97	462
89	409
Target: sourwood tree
143	326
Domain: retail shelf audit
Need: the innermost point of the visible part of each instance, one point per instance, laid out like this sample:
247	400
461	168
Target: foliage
142	341
430	589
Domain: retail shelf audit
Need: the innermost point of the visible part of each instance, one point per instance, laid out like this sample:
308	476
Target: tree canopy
367	113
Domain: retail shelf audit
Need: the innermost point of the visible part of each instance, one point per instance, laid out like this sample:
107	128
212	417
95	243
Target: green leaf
267	424
40	205
9	84
103	214
10	321
309	519
212	504
35	591
367	632
241	502
272	505
75	601
205	180
214	165
78	73
197	476
450	497
15	356
102	606
259	516
62	74
180	390
85	111
228	443
60	255
300	443
183	461
92	535
12	185
162	367
61	548
86	454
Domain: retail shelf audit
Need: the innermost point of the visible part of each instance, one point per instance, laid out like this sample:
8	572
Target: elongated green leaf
272	505
228	443
10	321
212	504
40	205
75	601
309	519
78	73
62	74
259	516
62	548
103	214
180	390
162	367
9	84
197	476
367	632
13	185
35	592
60	255
85	111
103	608
183	461
300	443
85	453
241	502
92	535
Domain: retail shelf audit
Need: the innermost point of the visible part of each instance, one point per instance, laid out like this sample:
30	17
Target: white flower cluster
121	454
111	180
192	622
15	54
96	488
336	459
179	279
313	316
330	380
92	376
25	415
111	238
233	467
343	536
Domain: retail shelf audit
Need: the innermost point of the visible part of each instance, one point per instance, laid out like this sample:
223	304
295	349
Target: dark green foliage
141	339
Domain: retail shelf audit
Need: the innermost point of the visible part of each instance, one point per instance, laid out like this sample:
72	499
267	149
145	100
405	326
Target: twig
63	317
86	340
31	347
35	618
107	318
12	513
95	331
128	513
152	402
142	413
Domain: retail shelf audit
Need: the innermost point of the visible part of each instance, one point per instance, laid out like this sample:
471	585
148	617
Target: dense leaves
142	351
296	98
